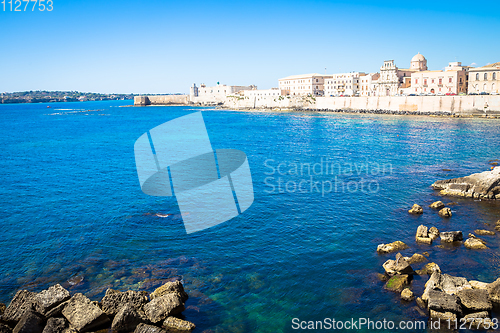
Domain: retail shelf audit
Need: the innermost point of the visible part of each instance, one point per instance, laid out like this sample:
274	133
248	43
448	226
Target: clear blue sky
164	47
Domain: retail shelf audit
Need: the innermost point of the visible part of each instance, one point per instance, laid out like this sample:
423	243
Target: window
416	81
425	81
440	81
494	76
477	77
432	80
485	76
450	80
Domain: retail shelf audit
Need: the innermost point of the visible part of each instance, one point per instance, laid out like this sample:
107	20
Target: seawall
475	104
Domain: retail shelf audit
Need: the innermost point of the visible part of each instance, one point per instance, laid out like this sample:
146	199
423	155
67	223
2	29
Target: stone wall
161	100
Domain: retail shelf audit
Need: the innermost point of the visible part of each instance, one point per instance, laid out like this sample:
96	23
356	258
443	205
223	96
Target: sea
328	188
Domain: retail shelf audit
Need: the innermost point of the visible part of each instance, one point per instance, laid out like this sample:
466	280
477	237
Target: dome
418	57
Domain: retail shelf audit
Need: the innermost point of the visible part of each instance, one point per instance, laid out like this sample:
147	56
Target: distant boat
48	106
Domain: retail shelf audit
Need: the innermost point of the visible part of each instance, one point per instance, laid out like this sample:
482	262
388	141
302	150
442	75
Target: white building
305	84
262	92
345	84
451	81
216	93
485	79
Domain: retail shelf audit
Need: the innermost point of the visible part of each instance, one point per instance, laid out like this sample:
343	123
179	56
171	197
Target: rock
5	329
55	325
442	302
482	232
421	303
433	283
162	307
425	253
494	291
388	248
143	328
445	212
382	277
397	282
56	311
2	308
113	300
428	269
176	286
416	258
407	295
22	302
31	322
451	236
478	320
484	185
422	231
433	233
475	299
452	317
50	298
178	325
398	266
82	314
127	319
416	209
425	240
478	284
481	314
452	284
474	244
437	205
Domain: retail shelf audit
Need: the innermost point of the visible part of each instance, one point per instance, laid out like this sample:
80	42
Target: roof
301	76
418	57
496	65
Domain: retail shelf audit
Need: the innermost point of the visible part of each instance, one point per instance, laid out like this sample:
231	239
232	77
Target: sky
164	47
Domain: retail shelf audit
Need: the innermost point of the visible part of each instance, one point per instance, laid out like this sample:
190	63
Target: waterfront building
216	93
305	84
393	80
262	92
345	84
485	79
453	80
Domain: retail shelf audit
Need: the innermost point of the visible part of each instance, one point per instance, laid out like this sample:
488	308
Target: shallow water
72	211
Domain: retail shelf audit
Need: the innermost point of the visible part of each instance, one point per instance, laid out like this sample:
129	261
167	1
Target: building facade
451	81
345	84
262	92
393	80
305	84
216	93
485	79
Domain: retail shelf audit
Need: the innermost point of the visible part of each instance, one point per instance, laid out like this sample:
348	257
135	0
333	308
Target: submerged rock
416	209
437	205
389	248
398	282
482	232
484	185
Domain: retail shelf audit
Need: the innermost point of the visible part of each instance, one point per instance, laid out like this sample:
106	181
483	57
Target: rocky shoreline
54	310
448	298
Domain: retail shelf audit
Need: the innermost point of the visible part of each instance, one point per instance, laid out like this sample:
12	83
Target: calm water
72	211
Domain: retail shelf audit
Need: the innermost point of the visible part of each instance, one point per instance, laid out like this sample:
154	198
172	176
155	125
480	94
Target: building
305	84
393	80
216	93
485	79
262	92
451	81
346	84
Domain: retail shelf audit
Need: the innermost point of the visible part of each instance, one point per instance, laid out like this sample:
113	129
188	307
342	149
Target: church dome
418	57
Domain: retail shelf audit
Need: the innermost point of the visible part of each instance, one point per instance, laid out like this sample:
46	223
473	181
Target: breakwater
474	104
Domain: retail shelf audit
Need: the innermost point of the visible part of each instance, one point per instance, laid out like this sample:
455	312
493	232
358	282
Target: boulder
475	299
483	232
415	259
82	314
178	325
494	291
22	302
387	248
433	283
451	236
445	316
5	329
176	286
56	311
2	308
445	212
398	266
422	231
50	298
428	269
433	233
127	319
478	284
478	320
144	328
452	284
484	185
31	322
437	205
421	303
416	209
474	244
407	295
55	325
113	300
397	282
424	240
442	302
162	307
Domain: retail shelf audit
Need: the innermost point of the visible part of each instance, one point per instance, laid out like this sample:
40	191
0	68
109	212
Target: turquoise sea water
72	211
